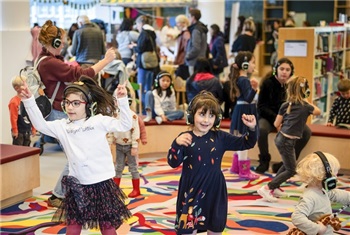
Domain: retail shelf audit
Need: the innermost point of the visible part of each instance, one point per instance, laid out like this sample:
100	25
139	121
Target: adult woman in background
246	41
55	74
182	23
217	49
126	38
145	43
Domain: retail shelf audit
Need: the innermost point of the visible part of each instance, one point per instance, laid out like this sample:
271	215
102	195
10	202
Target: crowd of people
85	113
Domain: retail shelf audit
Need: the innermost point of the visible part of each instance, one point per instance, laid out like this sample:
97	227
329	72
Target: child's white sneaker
159	120
267	194
278	192
147	119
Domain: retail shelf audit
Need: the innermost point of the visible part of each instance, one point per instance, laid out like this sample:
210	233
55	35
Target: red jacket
53	69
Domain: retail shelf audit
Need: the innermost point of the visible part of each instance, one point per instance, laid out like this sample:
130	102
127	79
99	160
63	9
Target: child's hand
249	120
23	91
110	54
254	83
321	228
143	142
121	90
14	134
33	133
329	124
164	118
184	139
134	151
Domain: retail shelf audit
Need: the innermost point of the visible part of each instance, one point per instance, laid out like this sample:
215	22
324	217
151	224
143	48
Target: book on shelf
323	42
318	67
338	40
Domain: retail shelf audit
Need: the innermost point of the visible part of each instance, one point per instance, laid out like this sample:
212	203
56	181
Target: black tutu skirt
94	206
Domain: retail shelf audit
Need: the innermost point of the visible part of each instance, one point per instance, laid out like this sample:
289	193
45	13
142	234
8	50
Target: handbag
149	59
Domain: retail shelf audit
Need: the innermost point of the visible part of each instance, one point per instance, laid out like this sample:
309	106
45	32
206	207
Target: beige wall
15	39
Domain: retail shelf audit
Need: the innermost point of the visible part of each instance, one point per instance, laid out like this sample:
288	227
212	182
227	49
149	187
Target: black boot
276	166
264	163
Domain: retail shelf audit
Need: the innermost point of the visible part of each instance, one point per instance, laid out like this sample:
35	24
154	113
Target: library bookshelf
322	55
272	11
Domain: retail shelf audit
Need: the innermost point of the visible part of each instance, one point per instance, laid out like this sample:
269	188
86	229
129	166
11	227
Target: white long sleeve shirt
164	103
315	203
84	141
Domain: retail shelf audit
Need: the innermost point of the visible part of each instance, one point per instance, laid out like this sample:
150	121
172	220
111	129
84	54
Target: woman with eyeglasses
92	199
55	73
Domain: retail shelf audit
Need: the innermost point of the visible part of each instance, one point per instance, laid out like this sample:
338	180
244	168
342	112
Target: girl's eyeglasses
74	103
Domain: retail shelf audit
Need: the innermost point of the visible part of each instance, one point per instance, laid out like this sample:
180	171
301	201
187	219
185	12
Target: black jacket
272	95
144	44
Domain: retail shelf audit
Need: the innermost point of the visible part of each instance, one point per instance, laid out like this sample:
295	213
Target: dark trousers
22	139
265	128
286	147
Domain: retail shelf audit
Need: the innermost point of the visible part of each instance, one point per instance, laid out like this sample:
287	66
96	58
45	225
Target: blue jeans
145	78
171	115
58	190
286	147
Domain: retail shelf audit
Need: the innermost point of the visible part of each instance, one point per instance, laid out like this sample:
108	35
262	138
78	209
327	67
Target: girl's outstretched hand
121	90
23	91
184	139
249	120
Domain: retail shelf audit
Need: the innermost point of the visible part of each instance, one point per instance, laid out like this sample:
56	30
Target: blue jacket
218	52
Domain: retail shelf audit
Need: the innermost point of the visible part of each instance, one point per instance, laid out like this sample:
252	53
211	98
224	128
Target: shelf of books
322	55
273	10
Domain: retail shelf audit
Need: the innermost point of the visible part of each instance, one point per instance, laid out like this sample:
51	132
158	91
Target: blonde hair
17	81
296	88
249	26
311	169
182	19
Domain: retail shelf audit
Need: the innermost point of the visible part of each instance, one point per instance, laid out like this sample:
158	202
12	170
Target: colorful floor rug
154	211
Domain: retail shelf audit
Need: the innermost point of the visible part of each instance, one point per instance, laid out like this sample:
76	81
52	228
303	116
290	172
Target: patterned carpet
154	211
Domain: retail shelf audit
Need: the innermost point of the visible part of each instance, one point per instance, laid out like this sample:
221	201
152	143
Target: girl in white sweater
92	198
161	102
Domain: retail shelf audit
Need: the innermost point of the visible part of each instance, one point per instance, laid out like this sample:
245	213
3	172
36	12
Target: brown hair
344	85
48	32
242	56
196	13
208	102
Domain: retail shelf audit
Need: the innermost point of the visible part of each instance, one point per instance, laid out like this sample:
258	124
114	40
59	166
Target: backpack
37	87
33	79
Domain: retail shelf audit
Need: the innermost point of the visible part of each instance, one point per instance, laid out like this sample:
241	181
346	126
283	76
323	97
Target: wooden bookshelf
341	6
321	54
272	10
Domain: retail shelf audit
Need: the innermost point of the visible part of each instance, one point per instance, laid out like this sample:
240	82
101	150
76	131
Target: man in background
197	46
88	45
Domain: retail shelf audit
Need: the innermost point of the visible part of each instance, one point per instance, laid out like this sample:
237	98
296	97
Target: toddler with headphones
244	91
92	199
318	170
161	102
290	123
202	194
